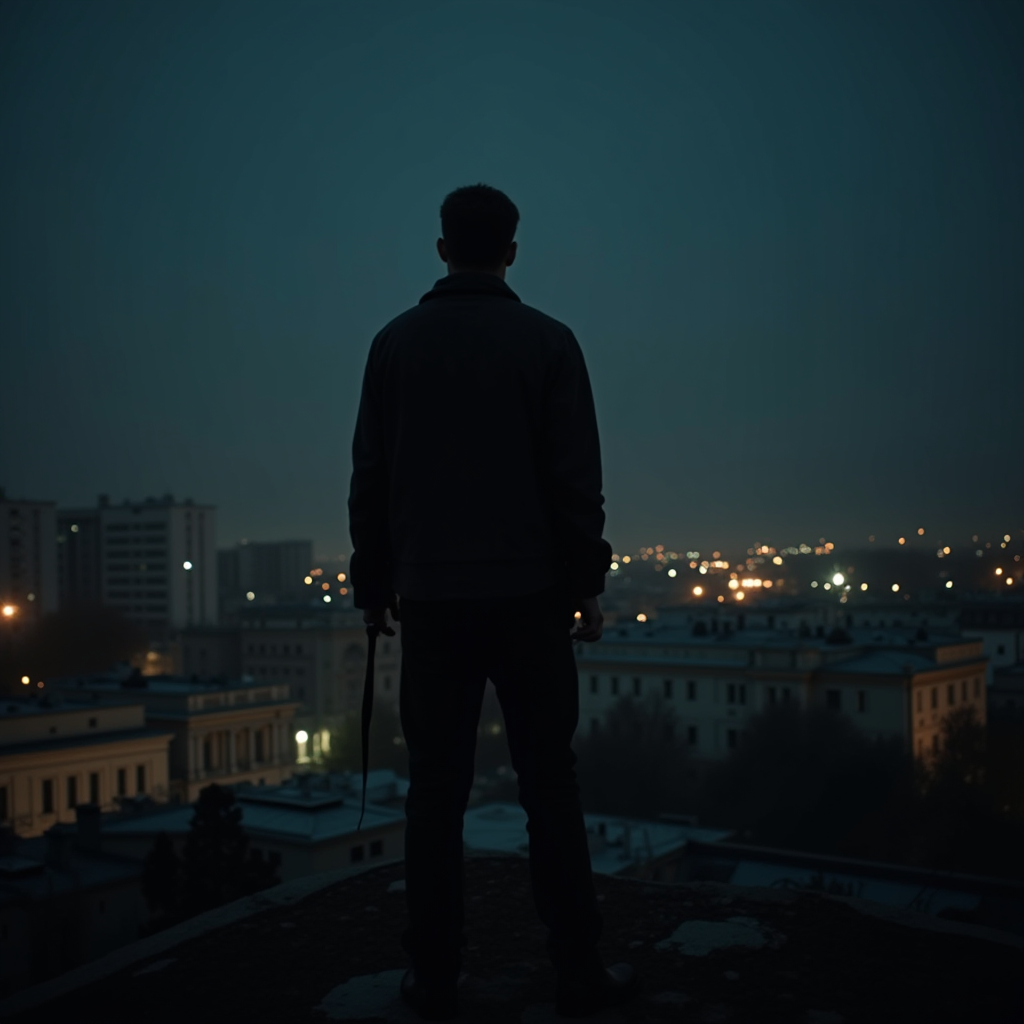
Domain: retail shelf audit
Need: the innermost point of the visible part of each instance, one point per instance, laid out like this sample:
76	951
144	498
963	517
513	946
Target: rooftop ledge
326	947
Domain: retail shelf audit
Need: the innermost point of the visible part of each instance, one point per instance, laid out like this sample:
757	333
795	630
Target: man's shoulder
424	315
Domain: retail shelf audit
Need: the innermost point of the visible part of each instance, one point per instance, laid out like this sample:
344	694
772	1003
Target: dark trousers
449	651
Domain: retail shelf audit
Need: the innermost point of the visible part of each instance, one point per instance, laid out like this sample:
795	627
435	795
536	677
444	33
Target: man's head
478	224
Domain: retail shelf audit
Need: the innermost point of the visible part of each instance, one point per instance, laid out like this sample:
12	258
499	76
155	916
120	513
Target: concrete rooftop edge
300	888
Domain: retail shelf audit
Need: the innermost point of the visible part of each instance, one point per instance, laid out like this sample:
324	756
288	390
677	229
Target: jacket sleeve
571	457
368	501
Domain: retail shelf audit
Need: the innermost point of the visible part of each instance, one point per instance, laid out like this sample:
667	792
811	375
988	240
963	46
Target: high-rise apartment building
264	572
28	567
153	560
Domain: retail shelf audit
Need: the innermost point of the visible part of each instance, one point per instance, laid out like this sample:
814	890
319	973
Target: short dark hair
478	224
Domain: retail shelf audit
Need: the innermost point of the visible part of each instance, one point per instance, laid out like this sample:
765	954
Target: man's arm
571	453
371	569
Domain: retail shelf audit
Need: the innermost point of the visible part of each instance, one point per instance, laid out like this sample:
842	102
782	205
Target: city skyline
789	238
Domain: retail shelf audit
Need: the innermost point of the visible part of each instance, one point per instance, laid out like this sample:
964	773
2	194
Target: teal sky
789	237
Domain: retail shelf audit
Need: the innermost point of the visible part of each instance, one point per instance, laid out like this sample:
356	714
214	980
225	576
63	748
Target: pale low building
307	825
56	753
227	732
890	684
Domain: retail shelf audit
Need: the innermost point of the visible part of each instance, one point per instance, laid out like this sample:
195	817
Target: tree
634	763
215	869
808	779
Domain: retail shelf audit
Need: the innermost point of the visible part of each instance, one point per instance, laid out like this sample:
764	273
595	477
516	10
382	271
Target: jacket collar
470	281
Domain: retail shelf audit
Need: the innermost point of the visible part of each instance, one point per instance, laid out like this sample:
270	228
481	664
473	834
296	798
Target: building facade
227	732
28	558
891	685
154	560
57	753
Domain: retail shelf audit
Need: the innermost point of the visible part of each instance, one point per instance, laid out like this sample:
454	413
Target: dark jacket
476	466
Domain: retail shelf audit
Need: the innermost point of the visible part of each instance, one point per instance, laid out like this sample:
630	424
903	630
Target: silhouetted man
476	519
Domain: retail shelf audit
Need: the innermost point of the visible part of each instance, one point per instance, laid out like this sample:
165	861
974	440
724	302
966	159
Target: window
785	695
92	723
743	693
140	779
72	791
951	694
94	787
771	694
862	701
593	684
298	648
615	685
258	736
935	743
919	701
4	810
122	782
1001	649
356	854
833	700
935	697
977	687
636	686
691	735
732	739
376	848
668	689
963	689
47	796
731	694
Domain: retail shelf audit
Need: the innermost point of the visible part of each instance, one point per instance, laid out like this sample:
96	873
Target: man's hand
591	621
378	617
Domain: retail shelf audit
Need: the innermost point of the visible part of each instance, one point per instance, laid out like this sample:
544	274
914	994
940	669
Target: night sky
788	236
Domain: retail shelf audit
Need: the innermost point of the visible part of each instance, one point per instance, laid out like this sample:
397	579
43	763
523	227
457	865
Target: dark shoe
430	1005
614	986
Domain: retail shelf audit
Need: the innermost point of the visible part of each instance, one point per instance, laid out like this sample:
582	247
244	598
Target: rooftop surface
703	952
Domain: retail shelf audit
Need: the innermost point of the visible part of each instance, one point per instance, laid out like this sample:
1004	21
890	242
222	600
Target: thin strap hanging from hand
371	632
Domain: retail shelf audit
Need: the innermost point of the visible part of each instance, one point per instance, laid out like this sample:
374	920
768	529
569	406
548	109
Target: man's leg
441	693
535	677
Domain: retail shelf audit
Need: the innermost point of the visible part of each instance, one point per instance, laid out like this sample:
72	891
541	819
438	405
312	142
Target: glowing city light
578	615
343	590
672	572
839	579
949	584
327	598
614	566
187	566
1006	537
325	586
828	586
301	736
920	531
74	529
999	571
895	588
308	580
641	617
25	680
814	583
720	598
341	577
945	551
903	540
9	610
863	586
734	584
698	591
625	559
250	596
777	560
1009	581
740	595
703	570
